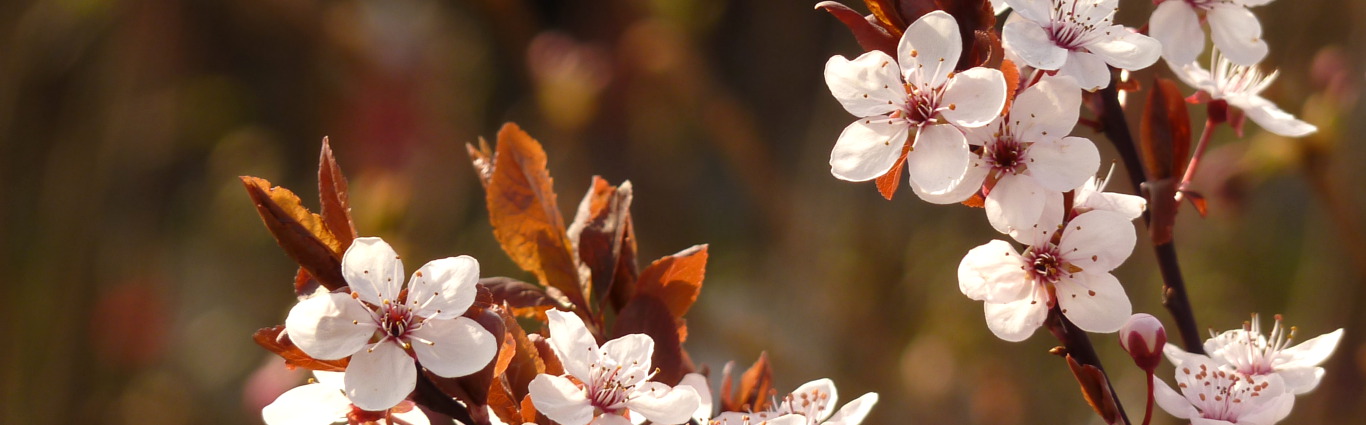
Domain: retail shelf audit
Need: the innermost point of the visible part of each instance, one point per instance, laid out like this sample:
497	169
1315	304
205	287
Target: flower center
1234	79
1222	395
809	403
1074	22
1045	264
395	320
1007	155
611	386
1256	354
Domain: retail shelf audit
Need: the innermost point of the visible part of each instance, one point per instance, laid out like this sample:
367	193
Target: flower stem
1195	159
1079	346
1148	411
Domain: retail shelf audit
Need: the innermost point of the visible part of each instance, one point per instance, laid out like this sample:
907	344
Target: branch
1078	346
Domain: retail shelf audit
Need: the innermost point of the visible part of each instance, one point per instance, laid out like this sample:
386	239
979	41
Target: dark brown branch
1079	347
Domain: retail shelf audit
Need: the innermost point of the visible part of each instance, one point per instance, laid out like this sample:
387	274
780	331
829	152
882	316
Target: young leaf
888	183
301	233
973	16
600	231
1164	143
646	314
1096	389
526	219
870	33
676	280
523	299
336	208
755	386
275	340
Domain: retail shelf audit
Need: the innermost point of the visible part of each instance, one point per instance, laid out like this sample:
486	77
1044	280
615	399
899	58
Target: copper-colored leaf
524	299
332	192
887	14
482	157
870	34
304	285
888	183
518	363
301	233
972	16
1198	201
1096	389
676	280
525	217
1012	74
755	386
277	341
976	200
646	314
600	231
1165	132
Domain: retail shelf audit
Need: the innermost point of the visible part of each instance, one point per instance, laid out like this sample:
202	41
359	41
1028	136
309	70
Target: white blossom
1235	30
1077	38
1250	352
324	402
1211	395
1240	86
810	404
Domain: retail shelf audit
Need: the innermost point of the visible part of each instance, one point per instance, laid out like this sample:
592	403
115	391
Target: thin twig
1079	346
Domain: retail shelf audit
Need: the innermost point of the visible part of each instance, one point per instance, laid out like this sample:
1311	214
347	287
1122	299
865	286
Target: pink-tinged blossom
605	384
1250	352
810	404
703	414
1092	196
1018	288
916	92
1210	395
382	333
1143	337
324	402
1241	87
1235	30
1029	155
1077	38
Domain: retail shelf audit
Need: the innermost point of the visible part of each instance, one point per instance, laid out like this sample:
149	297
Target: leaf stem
1148	411
1195	159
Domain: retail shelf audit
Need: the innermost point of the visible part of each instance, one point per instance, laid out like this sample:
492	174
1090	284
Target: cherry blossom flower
1029	155
324	402
810	404
1143	337
383	332
1235	30
1092	196
1019	288
918	91
1077	38
1239	86
605	383
1250	352
702	415
1213	396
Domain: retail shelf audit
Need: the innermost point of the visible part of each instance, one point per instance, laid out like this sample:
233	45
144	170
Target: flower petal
380	377
974	97
307	405
331	379
699	384
615	419
1039	11
1046	110
453	347
962	189
1179	357
444	288
1095	302
869	85
994	272
631	352
1312	352
1015	203
854	411
329	326
939	158
573	344
1098	241
820	389
1125	49
1301	380
1041	233
373	270
1064	164
1237	33
1175	404
664	405
929	49
1177	27
1090	70
1016	321
560	400
1271	118
1033	44
867	148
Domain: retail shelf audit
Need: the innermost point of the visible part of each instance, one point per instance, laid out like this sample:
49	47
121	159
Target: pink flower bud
1143	337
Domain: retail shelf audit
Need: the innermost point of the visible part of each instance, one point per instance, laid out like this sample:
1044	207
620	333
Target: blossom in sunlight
605	384
383	332
916	92
1250	352
1240	86
1092	196
1235	30
1214	396
1029	155
324	402
1077	38
1018	288
810	404
703	416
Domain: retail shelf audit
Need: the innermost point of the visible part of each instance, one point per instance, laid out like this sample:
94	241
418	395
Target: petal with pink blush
444	288
1046	110
312	404
1063	164
994	272
868	148
380	377
939	158
560	399
869	85
973	98
329	326
1016	321
1095	302
1097	241
1089	70
1033	44
1237	33
1126	49
373	270
453	347
1177	27
572	342
662	404
929	49
1015	203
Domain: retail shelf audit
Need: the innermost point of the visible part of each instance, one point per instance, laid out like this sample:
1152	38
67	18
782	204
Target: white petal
962	189
1038	11
1028	40
1095	302
331	379
1046	110
307	405
1042	232
1197	77
1173	403
1098	241
974	97
1274	408
453	347
1090	70
631	351
329	326
929	49
444	288
699	384
854	411
939	158
572	342
1063	165
380	378
1271	118
373	270
1178	357
869	85
1125	49
1015	203
1312	352
994	272
1301	380
1128	206
663	405
1237	33
1017	320
868	148
615	419
822	388
1177	27
560	400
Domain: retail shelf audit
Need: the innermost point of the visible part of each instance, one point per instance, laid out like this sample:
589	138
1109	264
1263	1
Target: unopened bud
1143	337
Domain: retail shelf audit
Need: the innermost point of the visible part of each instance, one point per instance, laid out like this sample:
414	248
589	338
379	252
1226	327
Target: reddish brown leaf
332	191
676	280
755	386
1198	201
304	285
870	34
972	16
524	299
646	314
277	341
301	233
518	363
887	14
1164	144
482	157
888	183
600	232
547	354
1096	389
976	201
525	217
1012	74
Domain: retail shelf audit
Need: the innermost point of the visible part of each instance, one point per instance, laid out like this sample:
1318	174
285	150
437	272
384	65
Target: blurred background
135	268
